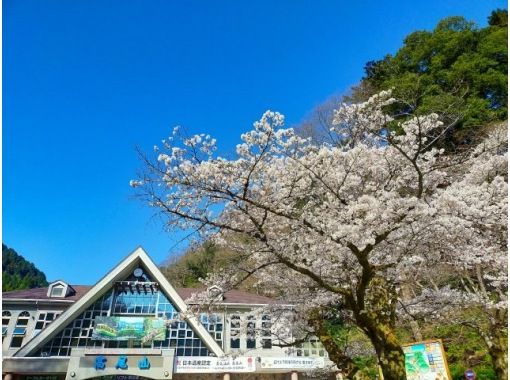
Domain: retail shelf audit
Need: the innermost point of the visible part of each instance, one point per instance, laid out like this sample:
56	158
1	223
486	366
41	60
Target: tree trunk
497	347
377	319
389	352
496	339
336	354
499	361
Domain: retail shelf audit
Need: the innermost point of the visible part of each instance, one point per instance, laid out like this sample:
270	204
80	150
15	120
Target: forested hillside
18	273
194	264
198	261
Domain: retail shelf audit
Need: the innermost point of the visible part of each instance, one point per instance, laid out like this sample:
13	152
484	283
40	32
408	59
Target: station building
133	324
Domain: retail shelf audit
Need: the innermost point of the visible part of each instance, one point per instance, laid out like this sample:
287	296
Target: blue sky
86	81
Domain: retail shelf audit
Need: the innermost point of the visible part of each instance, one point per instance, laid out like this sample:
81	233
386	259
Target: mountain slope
18	273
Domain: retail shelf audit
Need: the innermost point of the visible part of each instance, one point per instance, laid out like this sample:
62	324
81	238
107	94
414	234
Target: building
130	326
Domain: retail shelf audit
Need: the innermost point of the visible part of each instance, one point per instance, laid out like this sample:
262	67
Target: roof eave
36	300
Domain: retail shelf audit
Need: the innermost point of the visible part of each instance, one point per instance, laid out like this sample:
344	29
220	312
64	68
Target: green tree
457	70
18	273
196	263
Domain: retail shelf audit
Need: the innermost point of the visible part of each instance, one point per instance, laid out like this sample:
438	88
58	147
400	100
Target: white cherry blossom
336	230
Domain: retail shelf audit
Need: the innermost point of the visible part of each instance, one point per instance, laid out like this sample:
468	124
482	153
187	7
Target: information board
426	361
209	364
286	362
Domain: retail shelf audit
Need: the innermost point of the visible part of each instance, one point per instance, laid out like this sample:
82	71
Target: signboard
426	361
130	367
286	362
124	328
205	364
470	374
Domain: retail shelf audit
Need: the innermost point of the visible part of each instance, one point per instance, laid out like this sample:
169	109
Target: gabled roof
118	273
230	297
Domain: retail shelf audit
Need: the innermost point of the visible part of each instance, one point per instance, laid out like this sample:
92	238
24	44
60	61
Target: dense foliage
192	267
196	263
457	70
18	273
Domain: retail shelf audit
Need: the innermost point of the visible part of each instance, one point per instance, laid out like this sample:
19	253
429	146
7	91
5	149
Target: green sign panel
145	329
426	361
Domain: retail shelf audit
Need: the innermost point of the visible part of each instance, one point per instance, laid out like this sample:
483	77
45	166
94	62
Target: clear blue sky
87	81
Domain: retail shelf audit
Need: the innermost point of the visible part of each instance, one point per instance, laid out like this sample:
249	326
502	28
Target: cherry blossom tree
468	284
337	229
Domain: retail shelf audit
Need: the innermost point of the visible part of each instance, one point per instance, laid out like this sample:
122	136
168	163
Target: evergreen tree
457	70
18	273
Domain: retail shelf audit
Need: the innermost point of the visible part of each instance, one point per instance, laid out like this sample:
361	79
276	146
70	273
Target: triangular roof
119	273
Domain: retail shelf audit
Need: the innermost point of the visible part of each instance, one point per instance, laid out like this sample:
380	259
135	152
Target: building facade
133	324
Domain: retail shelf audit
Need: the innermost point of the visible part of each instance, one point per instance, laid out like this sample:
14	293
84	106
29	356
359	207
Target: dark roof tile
232	296
41	293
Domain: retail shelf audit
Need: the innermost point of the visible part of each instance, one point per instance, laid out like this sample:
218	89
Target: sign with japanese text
113	363
426	361
288	362
205	364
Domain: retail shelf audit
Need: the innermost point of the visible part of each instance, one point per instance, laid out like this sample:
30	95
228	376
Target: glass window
213	323
251	335
57	291
235	331
16	341
6	317
313	347
44	320
265	331
235	342
235	322
19	331
133	300
179	335
70	336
